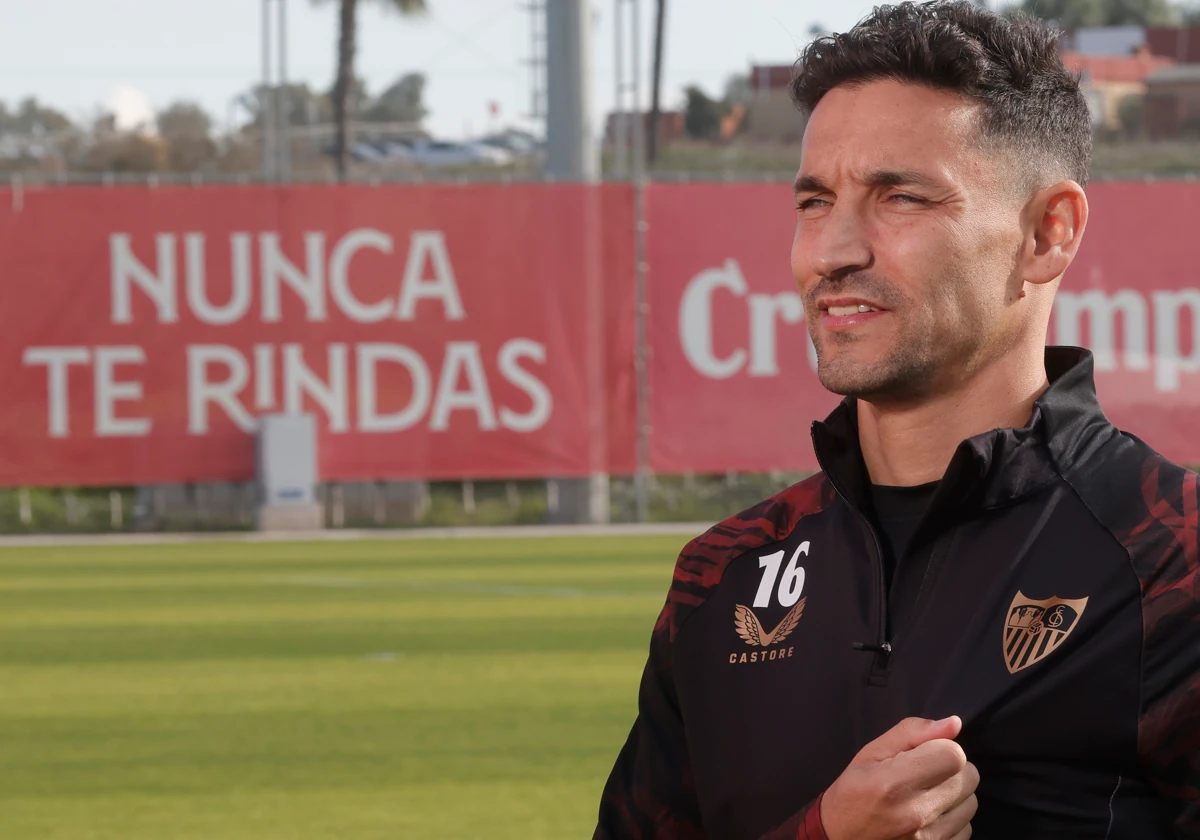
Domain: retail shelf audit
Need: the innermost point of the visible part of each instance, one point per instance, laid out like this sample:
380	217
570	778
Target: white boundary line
689	529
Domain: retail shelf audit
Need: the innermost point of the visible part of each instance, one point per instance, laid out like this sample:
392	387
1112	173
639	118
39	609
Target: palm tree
343	87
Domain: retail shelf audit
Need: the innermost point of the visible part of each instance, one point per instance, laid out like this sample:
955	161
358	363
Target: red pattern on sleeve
650	794
1164	547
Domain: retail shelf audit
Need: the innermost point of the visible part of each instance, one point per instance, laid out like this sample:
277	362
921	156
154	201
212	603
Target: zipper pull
885	648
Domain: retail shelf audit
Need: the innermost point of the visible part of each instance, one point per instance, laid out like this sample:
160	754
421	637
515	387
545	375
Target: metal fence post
338	504
282	105
264	106
424	501
380	503
641	228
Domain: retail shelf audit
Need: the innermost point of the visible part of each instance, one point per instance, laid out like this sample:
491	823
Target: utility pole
537	59
660	20
264	106
572	156
620	151
571	153
273	107
627	81
281	101
641	350
630	136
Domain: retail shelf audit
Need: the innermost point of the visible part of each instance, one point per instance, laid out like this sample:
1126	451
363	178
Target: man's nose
842	245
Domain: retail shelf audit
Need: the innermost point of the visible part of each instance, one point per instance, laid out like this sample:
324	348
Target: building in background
1181	43
765	114
771	115
1178	43
1148	75
1109	80
670	127
1104	40
1172	108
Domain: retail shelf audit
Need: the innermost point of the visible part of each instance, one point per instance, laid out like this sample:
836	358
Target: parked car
368	153
435	153
431	154
519	143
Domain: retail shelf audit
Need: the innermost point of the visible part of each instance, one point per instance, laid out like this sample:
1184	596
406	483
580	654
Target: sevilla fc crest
1035	629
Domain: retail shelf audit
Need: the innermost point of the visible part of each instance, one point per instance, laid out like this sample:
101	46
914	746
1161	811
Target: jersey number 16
790	585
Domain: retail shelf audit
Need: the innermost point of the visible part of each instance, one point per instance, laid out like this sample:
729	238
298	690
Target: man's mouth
848	313
852	309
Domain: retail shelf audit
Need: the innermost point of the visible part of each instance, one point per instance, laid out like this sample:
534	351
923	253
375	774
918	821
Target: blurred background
301	298
431	90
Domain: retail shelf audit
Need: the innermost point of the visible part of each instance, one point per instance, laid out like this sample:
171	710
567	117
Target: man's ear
1055	220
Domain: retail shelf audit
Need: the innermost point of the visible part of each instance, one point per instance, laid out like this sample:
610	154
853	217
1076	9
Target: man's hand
910	783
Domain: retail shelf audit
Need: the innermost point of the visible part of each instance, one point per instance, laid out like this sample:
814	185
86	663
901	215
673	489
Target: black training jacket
1050	597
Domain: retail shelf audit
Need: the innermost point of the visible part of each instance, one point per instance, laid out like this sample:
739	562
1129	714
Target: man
980	619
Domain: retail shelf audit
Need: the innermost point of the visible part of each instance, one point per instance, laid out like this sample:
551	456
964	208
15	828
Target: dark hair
1031	103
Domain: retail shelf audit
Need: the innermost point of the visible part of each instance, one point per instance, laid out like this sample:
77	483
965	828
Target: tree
239	155
32	118
130	152
1131	112
184	119
702	115
187	130
310	107
738	90
305	106
347	46
1074	13
402	102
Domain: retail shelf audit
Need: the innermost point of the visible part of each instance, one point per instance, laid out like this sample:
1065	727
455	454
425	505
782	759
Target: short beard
912	369
905	375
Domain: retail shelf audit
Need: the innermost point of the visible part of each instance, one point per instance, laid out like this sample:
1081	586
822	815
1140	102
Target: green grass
476	688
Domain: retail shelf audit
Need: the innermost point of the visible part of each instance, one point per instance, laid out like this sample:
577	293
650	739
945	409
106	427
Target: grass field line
360	534
460	588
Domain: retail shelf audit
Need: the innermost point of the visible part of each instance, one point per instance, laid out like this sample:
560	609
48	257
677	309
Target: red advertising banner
733	375
484	331
732	385
451	331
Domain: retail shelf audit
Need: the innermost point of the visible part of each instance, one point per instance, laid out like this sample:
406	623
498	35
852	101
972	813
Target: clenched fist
910	783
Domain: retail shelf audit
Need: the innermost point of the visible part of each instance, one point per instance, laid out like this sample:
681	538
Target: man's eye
809	203
905	198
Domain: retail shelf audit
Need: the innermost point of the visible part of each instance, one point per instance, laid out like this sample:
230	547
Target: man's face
907	240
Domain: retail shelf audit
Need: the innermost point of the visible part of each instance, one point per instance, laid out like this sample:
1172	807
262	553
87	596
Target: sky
133	56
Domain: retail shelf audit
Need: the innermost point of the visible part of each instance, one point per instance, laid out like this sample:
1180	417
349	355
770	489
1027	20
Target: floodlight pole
630	140
641	227
620	153
571	153
281	101
572	156
264	106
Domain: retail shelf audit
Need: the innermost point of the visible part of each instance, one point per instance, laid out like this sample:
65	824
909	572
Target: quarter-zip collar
994	468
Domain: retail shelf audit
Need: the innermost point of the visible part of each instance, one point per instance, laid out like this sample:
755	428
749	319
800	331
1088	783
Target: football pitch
354	690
